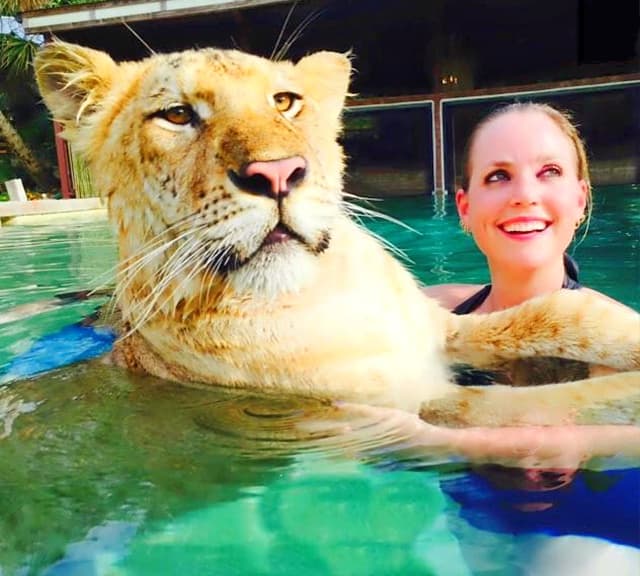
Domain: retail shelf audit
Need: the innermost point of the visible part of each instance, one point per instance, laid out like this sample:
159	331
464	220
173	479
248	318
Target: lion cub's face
229	159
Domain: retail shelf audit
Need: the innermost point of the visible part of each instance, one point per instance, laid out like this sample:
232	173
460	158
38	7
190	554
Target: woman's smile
524	227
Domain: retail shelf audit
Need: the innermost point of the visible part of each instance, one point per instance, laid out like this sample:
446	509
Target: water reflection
99	463
99	445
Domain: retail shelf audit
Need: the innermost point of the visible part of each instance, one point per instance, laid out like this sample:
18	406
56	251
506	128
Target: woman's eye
287	103
497	176
550	171
181	114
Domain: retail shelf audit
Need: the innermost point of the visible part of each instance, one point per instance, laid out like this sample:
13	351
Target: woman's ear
462	203
584	193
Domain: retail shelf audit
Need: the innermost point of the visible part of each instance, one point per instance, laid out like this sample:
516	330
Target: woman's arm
562	446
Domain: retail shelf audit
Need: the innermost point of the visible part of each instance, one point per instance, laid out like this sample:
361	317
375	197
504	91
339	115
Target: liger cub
239	265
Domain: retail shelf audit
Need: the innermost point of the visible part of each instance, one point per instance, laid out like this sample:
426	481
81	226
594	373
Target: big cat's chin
274	271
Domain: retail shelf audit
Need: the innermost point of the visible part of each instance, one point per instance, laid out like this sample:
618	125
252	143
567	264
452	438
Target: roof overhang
106	13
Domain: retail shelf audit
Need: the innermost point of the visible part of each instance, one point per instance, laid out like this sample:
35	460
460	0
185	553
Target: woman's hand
561	446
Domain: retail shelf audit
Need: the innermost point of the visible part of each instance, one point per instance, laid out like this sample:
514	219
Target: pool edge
39	211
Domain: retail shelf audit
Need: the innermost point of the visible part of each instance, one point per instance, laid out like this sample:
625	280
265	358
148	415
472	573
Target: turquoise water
37	262
103	472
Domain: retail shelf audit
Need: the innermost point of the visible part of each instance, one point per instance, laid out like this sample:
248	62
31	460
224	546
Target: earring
580	221
465	228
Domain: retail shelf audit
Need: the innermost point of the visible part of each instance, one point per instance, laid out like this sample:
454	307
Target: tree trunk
22	152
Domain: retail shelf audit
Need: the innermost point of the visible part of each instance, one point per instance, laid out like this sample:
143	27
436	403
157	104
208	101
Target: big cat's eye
179	114
287	103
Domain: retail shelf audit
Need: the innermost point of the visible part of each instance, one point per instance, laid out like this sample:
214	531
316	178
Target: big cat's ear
72	79
325	77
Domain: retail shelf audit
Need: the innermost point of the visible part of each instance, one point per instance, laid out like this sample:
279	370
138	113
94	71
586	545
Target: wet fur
329	313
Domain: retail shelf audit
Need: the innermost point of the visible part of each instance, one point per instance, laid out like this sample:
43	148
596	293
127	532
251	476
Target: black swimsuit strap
472	303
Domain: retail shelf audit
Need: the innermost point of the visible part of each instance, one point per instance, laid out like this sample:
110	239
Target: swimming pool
104	472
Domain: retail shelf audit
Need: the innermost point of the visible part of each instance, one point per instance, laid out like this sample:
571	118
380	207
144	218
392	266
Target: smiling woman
525	192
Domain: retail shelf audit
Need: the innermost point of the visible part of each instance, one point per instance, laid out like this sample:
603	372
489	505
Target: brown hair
562	119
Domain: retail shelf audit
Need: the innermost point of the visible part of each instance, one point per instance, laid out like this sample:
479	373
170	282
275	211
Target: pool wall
15	212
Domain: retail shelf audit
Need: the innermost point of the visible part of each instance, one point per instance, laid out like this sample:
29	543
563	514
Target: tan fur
328	314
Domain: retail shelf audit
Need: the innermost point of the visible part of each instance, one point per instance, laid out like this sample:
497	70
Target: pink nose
273	178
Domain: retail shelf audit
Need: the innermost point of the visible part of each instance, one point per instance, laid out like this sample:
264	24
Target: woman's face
524	198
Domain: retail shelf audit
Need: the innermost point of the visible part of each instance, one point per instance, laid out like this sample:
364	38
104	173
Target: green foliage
16	54
26	118
6	171
13	7
57	3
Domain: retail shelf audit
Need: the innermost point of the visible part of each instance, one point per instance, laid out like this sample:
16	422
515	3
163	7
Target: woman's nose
525	189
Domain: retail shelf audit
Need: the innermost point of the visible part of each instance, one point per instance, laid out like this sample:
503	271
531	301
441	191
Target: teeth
531	226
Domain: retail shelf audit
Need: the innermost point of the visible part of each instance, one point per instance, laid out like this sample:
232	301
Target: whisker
133	264
399	252
297	33
190	255
164	269
356	208
356	217
282	29
128	274
151	301
366	199
142	41
146	246
212	265
196	262
142	261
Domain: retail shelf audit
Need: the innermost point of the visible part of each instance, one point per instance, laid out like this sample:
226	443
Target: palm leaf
16	54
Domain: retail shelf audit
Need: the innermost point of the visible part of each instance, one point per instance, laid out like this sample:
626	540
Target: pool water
107	473
41	261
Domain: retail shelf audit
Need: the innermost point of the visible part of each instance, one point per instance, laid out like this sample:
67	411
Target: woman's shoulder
450	295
